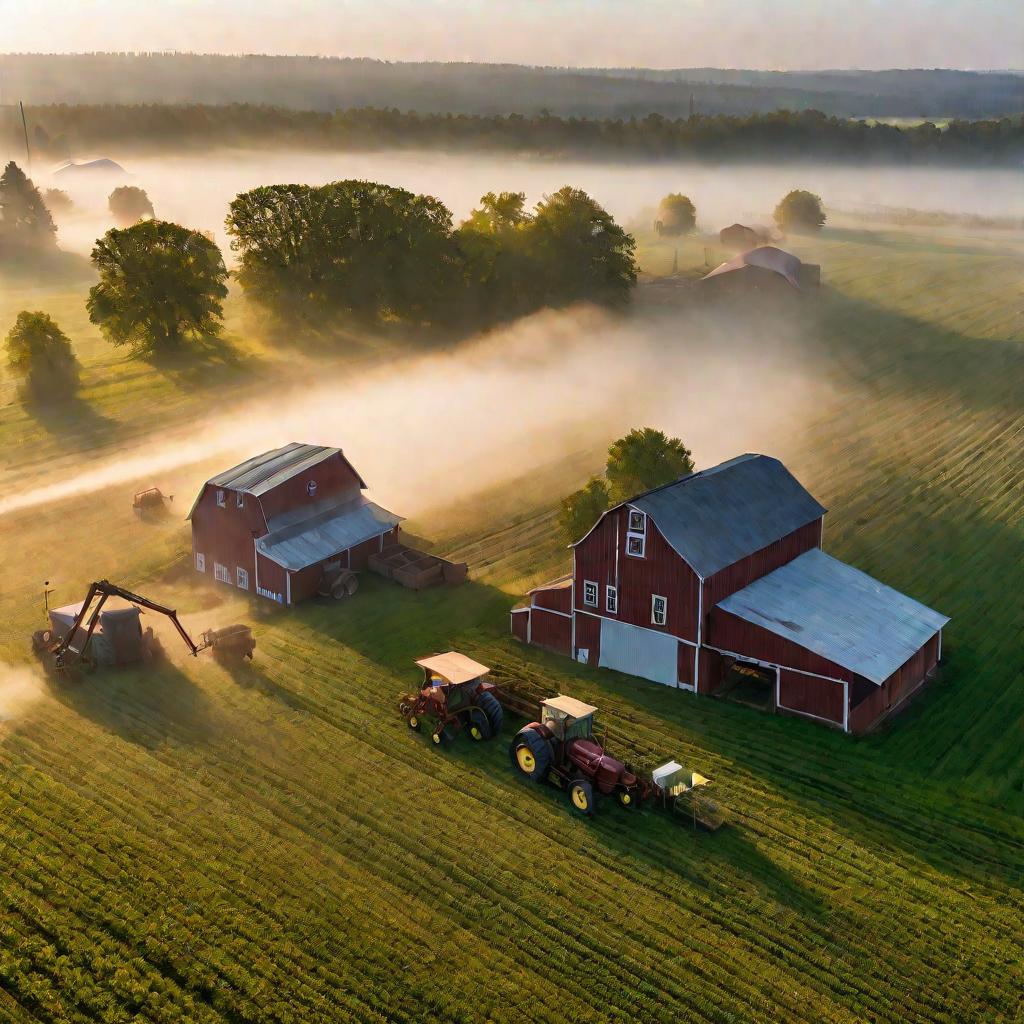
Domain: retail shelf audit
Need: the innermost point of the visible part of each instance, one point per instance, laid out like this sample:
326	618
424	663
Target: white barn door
639	652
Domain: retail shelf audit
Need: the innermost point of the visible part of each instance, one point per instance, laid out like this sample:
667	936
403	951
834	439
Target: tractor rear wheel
479	725
492	709
531	754
581	796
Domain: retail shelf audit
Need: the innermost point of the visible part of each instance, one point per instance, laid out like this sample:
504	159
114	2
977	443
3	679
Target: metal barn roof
768	257
454	667
839	613
720	515
321	536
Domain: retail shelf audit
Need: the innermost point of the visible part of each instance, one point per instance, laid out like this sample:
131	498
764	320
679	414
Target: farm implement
96	634
561	750
454	697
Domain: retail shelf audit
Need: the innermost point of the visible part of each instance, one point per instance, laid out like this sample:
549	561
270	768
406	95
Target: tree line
61	130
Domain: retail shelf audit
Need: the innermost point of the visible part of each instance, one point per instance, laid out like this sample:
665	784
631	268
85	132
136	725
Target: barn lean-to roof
717	516
767	257
839	613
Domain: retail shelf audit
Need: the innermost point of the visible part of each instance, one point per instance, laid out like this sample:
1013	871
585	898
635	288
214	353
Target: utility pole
24	125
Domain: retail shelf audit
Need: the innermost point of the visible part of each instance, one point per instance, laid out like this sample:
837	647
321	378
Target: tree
25	222
160	285
356	247
580	252
129	204
644	459
676	215
57	201
40	353
582	509
800	211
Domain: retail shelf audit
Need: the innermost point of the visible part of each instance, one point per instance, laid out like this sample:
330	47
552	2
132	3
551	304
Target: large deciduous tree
800	211
643	459
581	509
676	215
128	203
161	285
25	222
39	352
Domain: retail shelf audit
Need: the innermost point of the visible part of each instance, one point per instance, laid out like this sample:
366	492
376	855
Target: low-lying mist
443	426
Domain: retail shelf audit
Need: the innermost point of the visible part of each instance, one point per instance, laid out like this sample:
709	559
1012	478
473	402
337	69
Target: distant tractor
151	501
96	634
561	749
454	696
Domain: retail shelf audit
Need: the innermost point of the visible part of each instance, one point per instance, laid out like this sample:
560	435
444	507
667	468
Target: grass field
273	844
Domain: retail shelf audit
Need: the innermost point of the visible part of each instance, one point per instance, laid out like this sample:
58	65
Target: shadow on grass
73	420
202	362
250	675
147	707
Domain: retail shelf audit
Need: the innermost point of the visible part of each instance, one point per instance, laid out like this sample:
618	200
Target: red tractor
454	696
561	749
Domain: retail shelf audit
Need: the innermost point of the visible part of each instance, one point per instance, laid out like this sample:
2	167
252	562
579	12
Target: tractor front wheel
581	796
414	723
442	736
627	798
479	725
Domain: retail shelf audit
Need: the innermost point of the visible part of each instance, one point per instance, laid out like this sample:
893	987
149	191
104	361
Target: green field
273	843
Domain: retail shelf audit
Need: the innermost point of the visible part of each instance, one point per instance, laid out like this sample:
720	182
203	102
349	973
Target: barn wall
334	477
811	695
588	636
660	572
712	671
551	631
685	664
869	706
557	598
735	635
742	573
225	535
520	619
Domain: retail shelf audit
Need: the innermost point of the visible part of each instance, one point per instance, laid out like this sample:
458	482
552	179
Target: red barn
719	577
275	523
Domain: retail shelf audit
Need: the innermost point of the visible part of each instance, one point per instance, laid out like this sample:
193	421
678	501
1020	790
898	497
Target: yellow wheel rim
579	797
626	799
525	759
436	737
413	721
475	732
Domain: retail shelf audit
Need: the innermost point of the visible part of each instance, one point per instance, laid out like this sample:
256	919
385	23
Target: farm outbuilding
766	270
741	237
718	581
277	523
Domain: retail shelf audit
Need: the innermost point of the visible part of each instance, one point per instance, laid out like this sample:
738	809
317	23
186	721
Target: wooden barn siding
868	706
520	620
271	577
226	534
811	695
711	671
736	636
685	664
588	636
661	572
557	598
742	573
550	631
333	476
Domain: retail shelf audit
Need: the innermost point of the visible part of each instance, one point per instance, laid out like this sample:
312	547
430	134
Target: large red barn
277	522
721	573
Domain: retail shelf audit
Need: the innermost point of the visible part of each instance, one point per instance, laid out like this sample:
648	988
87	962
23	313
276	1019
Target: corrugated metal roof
720	515
321	536
768	257
839	613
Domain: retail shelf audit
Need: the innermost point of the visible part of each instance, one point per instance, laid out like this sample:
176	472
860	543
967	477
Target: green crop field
272	844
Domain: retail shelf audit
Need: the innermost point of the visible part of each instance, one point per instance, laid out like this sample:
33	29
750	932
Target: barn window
220	572
637	521
659	610
220	500
635	544
239	499
242	577
611	600
590	593
200	562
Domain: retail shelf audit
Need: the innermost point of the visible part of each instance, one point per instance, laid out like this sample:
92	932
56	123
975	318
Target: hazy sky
655	33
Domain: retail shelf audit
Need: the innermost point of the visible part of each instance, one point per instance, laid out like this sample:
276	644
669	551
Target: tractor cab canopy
567	717
451	669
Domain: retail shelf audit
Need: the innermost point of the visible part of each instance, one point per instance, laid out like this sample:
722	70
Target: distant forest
328	84
62	132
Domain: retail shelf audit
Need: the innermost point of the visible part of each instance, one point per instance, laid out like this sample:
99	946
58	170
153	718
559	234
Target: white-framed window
220	573
659	610
239	499
200	562
590	593
636	544
637	521
611	600
221	503
242	577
